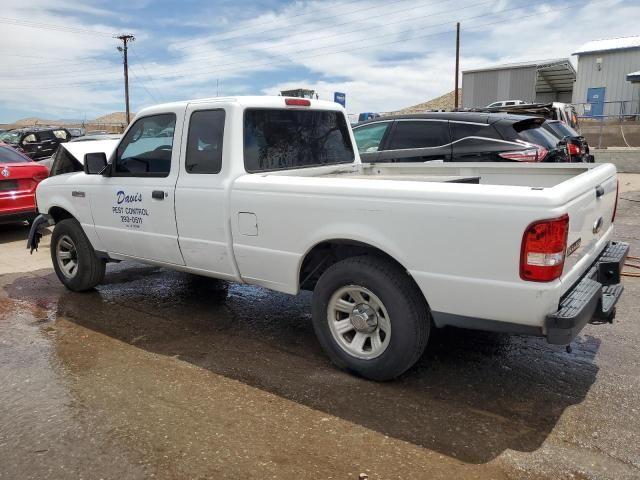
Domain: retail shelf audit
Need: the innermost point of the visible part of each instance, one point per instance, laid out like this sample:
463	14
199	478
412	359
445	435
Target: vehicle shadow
472	396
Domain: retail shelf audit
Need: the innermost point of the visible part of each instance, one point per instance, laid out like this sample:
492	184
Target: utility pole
457	62
126	38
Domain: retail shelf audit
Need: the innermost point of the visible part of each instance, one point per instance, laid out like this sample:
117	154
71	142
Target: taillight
615	205
297	102
543	249
573	149
534	154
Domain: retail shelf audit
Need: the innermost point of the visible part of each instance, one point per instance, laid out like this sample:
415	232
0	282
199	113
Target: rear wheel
370	317
74	259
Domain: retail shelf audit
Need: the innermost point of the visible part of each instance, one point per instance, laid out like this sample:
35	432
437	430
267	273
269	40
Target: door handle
158	194
599	191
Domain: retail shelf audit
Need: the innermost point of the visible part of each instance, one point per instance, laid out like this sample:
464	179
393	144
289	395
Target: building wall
564	97
484	87
612	76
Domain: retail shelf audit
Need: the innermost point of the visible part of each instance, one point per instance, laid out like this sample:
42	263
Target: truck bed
529	175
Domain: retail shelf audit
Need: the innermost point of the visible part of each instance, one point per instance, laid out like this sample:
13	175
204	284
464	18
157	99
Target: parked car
19	176
76	132
364	116
92	137
457	137
564	112
36	142
506	103
270	191
576	144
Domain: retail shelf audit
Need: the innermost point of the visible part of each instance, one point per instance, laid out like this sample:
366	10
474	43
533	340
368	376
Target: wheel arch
58	213
325	253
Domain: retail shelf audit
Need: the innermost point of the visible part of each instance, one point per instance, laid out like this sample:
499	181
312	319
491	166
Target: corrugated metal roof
535	63
608	45
633	77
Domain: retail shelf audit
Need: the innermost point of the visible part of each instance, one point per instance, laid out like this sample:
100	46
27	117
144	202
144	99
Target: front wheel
74	259
370	317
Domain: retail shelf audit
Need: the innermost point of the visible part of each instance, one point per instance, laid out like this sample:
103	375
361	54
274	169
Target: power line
288	17
141	64
140	83
241	62
48	26
342	33
287	56
288	59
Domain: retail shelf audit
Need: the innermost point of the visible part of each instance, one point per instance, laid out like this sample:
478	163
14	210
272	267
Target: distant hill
114	118
27	122
444	102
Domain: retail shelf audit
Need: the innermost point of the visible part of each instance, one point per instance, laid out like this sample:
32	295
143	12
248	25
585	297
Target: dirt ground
159	374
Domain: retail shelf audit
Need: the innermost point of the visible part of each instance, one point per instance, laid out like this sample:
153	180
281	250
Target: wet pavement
159	374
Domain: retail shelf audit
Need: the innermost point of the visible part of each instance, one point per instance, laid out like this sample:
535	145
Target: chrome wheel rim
67	256
359	322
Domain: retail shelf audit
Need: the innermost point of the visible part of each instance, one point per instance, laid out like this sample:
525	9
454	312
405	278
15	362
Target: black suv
36	142
458	137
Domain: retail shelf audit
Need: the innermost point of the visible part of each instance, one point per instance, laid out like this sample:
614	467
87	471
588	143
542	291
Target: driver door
133	208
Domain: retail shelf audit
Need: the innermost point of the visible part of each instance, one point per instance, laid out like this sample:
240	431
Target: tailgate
590	221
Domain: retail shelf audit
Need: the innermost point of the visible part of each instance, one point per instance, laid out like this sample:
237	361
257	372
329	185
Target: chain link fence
610	124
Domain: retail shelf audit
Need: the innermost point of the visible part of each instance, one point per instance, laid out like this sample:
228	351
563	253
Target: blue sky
60	60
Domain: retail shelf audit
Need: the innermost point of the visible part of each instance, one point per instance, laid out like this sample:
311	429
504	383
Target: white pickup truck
270	191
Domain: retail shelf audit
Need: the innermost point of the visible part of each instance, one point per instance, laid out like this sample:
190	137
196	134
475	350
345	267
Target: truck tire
74	259
370	317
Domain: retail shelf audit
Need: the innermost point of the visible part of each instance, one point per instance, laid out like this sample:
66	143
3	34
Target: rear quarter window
278	139
463	130
419	134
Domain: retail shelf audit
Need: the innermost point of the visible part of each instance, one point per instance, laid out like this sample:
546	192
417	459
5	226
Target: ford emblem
5	172
598	225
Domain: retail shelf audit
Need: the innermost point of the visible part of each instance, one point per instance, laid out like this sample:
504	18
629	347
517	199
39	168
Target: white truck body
460	242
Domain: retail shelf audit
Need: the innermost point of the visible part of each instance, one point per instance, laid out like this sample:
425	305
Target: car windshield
9	155
12	137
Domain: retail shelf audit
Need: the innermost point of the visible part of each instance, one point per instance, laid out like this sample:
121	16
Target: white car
506	103
270	191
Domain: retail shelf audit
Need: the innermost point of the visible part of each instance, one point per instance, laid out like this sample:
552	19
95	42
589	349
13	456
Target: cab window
204	142
369	137
278	139
145	151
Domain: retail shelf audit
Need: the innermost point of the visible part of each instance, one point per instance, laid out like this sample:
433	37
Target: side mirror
95	163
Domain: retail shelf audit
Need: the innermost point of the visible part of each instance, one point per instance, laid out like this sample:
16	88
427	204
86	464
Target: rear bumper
592	299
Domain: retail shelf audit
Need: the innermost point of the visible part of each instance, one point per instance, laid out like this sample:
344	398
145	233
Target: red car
19	176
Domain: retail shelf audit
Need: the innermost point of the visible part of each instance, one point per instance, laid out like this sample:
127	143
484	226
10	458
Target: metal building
602	87
540	81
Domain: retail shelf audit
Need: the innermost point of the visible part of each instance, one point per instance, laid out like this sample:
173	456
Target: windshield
9	155
12	137
276	139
